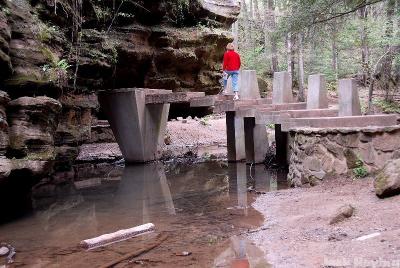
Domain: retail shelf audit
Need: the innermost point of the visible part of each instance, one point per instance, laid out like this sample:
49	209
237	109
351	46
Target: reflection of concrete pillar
282	88
143	188
137	127
281	140
349	101
235	137
256	141
272	176
316	95
260	176
241	179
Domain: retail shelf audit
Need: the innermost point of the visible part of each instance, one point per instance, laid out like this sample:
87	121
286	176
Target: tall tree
301	96
363	13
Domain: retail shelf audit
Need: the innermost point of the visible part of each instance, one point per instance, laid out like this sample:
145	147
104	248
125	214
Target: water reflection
191	201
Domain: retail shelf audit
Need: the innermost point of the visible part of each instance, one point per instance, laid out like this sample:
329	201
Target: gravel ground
204	137
297	233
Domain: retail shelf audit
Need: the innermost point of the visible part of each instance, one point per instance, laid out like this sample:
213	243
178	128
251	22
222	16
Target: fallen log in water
160	238
118	236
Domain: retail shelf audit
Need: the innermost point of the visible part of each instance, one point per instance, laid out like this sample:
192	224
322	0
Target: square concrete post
230	136
248	85
235	137
316	96
281	140
282	88
256	141
349	101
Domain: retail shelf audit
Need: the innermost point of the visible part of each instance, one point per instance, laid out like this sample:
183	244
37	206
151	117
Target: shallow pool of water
200	207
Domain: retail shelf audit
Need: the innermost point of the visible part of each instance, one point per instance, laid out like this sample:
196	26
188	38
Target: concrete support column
281	139
256	141
282	88
235	137
137	127
349	101
316	96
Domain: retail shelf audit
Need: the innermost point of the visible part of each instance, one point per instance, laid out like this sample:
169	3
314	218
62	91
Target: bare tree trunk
335	53
387	63
301	97
246	25
288	53
363	13
256	11
235	33
274	49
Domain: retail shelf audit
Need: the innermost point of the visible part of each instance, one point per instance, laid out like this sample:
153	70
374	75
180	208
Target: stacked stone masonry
317	154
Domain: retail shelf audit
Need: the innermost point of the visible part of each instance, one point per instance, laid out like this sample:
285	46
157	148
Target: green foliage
6	11
388	107
360	171
46	33
57	70
271	126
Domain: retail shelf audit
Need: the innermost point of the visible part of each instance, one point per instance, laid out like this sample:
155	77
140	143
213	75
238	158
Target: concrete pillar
316	96
256	141
282	88
240	146
248	85
281	140
137	127
235	137
349	101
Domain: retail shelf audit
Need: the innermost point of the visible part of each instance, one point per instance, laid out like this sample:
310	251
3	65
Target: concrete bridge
138	117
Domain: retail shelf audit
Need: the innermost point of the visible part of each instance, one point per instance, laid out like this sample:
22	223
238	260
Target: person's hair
230	46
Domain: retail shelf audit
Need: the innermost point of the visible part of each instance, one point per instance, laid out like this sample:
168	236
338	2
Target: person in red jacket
231	67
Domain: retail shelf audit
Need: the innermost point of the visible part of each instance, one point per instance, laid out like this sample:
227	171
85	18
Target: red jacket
231	61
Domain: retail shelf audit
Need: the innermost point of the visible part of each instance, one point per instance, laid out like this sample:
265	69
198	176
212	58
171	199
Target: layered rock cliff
55	55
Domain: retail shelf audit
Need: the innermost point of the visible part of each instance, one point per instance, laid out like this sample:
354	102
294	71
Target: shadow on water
202	207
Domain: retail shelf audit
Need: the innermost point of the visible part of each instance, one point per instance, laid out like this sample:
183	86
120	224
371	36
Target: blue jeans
235	79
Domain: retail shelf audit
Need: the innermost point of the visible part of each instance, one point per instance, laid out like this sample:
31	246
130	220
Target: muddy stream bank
200	206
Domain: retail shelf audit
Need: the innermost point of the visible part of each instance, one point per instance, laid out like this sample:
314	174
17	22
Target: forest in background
338	38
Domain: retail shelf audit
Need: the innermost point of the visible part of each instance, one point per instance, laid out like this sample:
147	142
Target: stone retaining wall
316	154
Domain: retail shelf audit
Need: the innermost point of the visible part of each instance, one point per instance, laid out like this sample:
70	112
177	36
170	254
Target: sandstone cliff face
68	52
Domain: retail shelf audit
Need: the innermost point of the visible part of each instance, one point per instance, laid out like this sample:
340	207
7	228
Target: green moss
380	182
388	107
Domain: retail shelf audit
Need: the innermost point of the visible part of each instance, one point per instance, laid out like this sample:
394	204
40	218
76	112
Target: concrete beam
175	97
349	101
316	95
282	88
347	121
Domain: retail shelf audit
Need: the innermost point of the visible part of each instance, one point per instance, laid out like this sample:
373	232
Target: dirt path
298	234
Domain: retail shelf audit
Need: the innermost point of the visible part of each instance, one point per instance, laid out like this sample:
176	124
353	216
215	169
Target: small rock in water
179	118
4	251
183	253
342	213
189	118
